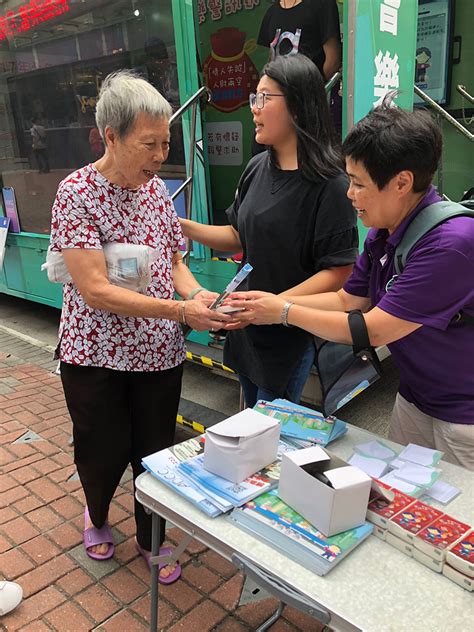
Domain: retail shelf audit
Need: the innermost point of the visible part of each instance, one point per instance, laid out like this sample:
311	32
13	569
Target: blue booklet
163	465
300	422
4	223
267	517
235	493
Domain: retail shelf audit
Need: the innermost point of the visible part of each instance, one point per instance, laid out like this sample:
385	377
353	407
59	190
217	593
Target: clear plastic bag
128	265
56	267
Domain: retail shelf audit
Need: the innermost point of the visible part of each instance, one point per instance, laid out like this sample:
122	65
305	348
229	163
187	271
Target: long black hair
302	84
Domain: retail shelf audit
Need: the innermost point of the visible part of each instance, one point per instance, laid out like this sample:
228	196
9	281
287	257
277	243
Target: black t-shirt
290	228
302	29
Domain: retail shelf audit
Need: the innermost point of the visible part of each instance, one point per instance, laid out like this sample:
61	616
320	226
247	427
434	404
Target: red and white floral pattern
88	212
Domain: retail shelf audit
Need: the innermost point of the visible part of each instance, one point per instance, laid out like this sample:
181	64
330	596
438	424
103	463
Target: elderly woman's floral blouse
88	212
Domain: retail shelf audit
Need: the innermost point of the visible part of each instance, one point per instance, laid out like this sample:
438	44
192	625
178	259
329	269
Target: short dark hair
389	140
303	86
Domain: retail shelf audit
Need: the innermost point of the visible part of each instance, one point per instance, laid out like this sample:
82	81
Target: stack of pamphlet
164	466
302	424
415	471
270	519
437	540
180	468
226	494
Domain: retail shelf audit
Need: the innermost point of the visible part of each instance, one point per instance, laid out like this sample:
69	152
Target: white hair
122	97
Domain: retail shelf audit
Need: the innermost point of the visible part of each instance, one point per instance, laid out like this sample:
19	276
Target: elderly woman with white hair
122	351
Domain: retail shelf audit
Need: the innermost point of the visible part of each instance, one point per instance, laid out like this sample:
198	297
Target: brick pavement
41	520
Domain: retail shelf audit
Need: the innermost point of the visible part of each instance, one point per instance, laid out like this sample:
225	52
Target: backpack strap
428	218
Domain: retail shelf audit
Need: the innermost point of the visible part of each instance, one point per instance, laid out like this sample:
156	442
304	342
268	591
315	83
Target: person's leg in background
45	159
409	425
300	375
456	441
155	399
294	389
249	390
39	159
99	404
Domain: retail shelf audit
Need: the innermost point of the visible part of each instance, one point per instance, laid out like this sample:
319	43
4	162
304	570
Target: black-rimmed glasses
259	98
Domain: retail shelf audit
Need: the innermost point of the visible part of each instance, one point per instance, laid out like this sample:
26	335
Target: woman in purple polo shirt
391	158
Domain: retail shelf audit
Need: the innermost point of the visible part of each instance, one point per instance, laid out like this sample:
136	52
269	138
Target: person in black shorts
292	220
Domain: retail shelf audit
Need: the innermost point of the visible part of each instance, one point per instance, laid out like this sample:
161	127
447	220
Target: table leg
155	550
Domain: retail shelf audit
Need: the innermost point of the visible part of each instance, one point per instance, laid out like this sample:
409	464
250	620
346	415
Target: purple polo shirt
436	362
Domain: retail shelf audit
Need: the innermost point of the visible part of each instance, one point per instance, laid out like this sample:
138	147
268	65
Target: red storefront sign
29	15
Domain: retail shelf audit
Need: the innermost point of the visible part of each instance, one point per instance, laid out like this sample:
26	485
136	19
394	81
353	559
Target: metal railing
187	185
442	112
331	83
463	92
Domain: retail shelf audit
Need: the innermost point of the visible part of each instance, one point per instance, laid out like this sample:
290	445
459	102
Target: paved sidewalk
41	521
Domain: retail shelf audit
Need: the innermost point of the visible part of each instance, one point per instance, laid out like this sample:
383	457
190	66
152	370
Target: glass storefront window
54	55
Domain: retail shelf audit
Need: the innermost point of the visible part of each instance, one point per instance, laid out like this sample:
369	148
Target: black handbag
344	371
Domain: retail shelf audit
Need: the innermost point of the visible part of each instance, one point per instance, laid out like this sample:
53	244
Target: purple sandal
94	536
164	550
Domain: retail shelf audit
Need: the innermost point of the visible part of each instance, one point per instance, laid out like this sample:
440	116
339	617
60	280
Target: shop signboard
381	36
379	57
30	15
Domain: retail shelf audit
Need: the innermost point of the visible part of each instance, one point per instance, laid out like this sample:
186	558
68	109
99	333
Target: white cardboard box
427	560
241	445
332	509
401	545
456	576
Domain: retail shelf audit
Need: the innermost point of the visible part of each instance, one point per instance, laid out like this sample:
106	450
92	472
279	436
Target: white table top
376	588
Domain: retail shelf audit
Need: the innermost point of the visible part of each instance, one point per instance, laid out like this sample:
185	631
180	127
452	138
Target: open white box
331	508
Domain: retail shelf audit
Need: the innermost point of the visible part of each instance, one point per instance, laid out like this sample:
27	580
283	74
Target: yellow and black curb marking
211	364
226	259
194	425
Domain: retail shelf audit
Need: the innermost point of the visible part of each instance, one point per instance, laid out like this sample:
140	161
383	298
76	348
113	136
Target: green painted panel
384	60
22	276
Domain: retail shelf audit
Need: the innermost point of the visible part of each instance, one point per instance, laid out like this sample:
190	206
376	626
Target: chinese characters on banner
224	143
386	64
217	8
228	71
29	15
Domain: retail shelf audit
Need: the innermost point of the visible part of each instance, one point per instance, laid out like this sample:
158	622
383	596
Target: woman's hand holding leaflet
260	308
201	318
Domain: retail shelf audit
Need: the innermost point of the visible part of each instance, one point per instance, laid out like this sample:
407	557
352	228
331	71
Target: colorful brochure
267	517
302	423
164	466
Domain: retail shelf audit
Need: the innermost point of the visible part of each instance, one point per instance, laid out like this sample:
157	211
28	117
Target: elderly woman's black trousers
118	418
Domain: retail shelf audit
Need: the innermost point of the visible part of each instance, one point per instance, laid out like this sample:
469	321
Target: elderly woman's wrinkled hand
201	318
206	296
259	308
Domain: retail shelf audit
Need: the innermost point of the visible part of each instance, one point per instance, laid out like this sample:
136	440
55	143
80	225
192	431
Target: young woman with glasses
293	221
